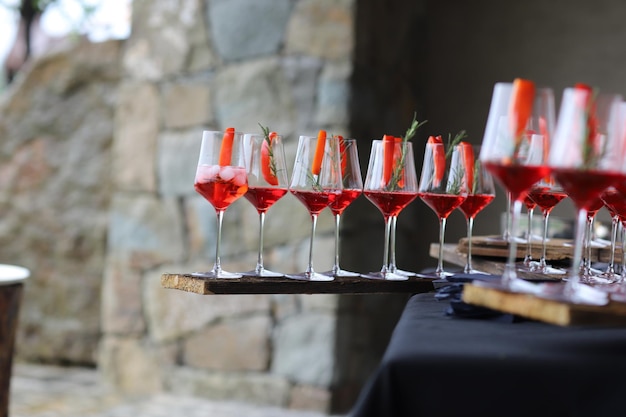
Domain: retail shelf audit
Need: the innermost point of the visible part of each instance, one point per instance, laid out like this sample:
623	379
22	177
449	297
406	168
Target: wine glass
390	184
267	183
615	203
547	193
316	182
481	192
352	187
505	153
443	188
585	159
221	179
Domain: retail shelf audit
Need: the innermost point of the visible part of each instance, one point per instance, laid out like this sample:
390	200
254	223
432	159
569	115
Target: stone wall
56	125
192	65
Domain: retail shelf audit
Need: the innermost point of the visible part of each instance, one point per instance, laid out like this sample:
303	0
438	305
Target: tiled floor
46	391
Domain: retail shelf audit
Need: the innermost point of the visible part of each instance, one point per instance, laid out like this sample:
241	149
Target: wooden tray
489	264
252	285
556	249
551	311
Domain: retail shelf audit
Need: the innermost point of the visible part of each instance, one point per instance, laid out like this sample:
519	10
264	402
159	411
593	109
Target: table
438	365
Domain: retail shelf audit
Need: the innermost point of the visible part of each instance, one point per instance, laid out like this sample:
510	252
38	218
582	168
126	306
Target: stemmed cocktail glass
221	179
481	192
352	187
443	187
267	183
615	202
390	184
504	153
585	158
547	193
316	182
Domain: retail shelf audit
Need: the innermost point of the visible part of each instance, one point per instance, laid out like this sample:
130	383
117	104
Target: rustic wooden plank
488	264
253	285
556	249
551	311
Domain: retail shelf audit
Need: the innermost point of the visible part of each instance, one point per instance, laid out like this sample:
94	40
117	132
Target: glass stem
528	258
574	279
509	274
507	219
468	265
309	268
217	268
385	268
623	272
442	229
544	238
392	244
610	269
588	238
259	262
336	264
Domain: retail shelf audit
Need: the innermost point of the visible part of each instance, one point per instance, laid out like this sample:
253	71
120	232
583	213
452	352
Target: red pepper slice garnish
226	149
266	160
468	165
439	159
521	107
319	153
388	157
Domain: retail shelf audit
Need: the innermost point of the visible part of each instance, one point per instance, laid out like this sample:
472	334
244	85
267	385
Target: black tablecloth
441	365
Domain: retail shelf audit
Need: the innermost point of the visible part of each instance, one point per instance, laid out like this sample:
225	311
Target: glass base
546	269
342	273
213	275
263	273
403	272
435	275
310	276
389	276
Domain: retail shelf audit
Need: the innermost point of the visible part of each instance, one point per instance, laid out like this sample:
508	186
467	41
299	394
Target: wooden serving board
556	249
253	285
488	264
553	311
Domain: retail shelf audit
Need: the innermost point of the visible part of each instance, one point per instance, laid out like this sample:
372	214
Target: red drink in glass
343	200
390	203
442	204
545	197
584	187
221	185
517	179
315	201
474	203
264	197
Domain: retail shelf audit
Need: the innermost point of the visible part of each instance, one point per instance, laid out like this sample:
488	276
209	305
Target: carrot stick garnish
319	153
521	107
592	121
439	159
226	150
342	153
468	165
388	157
268	167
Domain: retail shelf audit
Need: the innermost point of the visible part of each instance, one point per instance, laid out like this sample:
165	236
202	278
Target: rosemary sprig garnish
270	149
396	176
452	142
454	186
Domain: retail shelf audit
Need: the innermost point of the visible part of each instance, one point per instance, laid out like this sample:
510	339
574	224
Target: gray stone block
243	29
